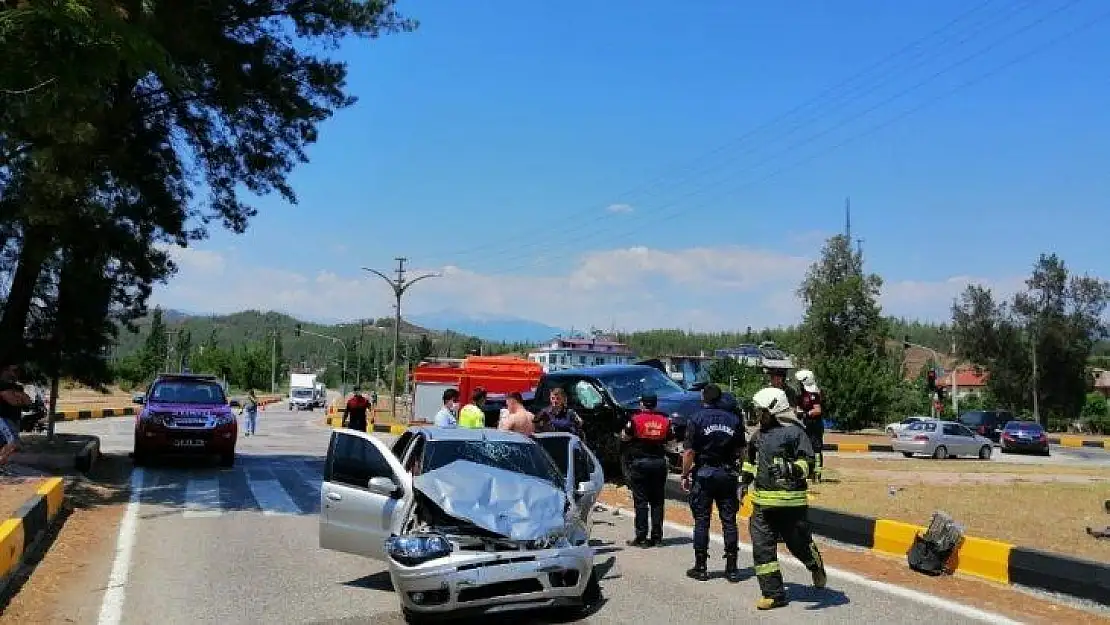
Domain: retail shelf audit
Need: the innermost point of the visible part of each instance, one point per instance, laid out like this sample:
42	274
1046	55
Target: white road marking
202	499
272	498
111	607
854	578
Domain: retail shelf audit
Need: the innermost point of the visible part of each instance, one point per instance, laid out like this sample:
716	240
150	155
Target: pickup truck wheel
227	460
139	459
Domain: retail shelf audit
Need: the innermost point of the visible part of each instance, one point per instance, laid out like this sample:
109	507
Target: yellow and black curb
987	559
129	411
336	421
1079	441
859	448
20	534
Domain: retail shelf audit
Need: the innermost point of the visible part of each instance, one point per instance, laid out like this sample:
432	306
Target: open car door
365	496
585	477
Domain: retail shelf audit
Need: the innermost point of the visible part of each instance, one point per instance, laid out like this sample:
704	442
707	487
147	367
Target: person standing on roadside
558	417
250	409
645	436
777	379
355	412
777	463
447	415
813	417
516	418
714	443
12	401
472	416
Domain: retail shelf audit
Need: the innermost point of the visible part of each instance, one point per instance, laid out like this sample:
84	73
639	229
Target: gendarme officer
710	473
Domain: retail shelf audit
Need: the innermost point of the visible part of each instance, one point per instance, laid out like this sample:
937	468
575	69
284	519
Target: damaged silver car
469	521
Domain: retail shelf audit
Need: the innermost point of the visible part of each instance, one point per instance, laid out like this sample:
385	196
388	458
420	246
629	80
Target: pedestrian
472	416
645	436
813	416
713	446
250	409
515	417
355	412
777	463
558	417
12	402
777	379
447	415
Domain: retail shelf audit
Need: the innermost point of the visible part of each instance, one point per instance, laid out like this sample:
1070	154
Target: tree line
128	128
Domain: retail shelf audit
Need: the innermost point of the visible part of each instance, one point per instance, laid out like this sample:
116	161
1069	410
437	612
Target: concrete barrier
1079	441
129	410
859	448
20	534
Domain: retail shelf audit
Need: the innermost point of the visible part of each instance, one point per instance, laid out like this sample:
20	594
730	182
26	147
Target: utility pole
955	385
358	354
1036	402
399	286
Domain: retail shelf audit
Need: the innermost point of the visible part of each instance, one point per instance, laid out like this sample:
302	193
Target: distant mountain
489	327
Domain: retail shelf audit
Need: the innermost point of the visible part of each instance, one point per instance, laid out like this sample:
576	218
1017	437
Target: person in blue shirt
447	417
711	475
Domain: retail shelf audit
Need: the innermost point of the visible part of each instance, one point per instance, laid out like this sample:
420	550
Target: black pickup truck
606	396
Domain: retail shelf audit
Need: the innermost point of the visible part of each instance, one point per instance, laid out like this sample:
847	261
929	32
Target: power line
822	96
679	209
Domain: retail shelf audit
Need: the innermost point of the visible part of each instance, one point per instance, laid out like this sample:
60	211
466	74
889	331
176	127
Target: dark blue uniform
716	436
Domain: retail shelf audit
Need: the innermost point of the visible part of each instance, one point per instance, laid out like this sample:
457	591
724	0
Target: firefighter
645	457
713	446
813	416
776	465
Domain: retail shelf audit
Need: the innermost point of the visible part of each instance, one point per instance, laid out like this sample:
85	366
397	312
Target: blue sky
494	143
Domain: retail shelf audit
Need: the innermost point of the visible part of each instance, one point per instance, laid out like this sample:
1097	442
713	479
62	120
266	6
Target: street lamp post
399	286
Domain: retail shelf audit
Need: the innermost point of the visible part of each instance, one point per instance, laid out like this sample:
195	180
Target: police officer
777	462
713	446
646	460
809	405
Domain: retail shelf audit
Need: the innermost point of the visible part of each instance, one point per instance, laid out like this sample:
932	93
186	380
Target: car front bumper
215	441
468	583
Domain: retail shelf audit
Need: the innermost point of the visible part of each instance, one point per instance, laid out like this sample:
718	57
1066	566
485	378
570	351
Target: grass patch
1052	517
922	465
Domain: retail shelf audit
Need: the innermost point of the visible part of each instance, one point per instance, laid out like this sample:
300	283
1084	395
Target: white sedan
469	521
894	428
941	439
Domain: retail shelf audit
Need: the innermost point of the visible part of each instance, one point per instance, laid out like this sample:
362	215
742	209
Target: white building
570	353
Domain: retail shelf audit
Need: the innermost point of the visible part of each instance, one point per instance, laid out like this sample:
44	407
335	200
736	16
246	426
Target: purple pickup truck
185	414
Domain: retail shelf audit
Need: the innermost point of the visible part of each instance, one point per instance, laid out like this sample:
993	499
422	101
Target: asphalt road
208	545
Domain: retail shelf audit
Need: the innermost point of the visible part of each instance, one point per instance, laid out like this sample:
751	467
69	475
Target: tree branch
27	90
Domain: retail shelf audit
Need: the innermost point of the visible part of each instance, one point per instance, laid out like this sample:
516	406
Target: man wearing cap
813	417
710	473
645	435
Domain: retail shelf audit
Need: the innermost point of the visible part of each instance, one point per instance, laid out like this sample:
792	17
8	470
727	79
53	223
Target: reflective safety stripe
748	468
804	466
767	569
779	498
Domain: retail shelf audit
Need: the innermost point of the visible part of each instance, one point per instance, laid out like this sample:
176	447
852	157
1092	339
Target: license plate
188	443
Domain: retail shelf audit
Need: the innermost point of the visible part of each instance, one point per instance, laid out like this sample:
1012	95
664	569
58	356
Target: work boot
820	578
732	572
638	542
655	541
700	571
769	603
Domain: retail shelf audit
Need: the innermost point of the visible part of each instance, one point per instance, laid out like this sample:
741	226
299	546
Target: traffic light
297	330
931	380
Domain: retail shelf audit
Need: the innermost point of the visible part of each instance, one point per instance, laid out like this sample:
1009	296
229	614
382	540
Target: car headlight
225	419
417	548
556	540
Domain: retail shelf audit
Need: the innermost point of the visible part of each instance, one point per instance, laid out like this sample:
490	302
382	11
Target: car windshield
977	417
631	386
527	458
302	392
188	392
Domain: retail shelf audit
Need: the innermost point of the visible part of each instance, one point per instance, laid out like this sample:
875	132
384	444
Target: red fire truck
499	375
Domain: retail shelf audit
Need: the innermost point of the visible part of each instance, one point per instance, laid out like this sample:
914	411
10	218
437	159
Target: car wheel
941	452
985	452
908	454
139	459
227	460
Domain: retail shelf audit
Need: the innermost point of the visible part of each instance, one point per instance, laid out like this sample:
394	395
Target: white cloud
633	288
620	208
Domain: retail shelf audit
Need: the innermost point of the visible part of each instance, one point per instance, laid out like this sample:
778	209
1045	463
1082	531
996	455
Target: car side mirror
139	399
583	489
382	486
234	403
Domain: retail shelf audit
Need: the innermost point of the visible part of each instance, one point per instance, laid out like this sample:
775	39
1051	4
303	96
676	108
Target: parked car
894	428
941	439
186	414
987	423
468	521
1024	436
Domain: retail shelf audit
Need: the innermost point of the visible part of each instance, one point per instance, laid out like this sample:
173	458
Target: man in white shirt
447	417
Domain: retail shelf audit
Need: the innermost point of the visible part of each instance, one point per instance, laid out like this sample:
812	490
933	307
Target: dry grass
961	466
14	492
1052	516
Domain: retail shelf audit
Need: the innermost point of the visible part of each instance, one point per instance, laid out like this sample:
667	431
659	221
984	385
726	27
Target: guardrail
984	558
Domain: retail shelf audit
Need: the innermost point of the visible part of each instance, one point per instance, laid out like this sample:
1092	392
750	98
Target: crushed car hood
513	505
